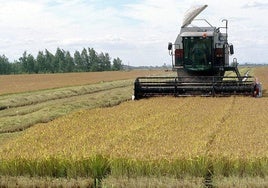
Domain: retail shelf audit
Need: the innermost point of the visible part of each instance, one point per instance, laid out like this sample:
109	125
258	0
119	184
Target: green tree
105	62
41	62
62	61
5	67
94	60
16	67
48	61
117	64
78	62
28	63
69	61
59	63
85	60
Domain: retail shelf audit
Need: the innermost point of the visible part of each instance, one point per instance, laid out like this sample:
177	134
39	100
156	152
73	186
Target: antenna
226	25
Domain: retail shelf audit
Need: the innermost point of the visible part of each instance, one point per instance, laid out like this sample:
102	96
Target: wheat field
162	136
198	130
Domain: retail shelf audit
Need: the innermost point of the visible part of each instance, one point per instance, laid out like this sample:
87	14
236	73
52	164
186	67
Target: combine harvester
200	57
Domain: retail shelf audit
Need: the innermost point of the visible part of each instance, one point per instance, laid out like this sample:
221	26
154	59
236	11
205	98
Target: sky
136	31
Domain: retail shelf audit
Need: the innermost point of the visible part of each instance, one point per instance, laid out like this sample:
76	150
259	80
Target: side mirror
169	46
231	49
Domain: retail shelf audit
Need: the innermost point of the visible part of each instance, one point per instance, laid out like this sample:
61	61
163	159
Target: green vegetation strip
29	98
98	167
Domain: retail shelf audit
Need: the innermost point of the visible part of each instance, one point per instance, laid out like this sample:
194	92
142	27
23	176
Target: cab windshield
197	52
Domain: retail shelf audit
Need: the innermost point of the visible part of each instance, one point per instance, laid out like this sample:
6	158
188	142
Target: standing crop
157	136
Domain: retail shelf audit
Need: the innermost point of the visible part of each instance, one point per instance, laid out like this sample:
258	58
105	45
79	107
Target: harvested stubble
33	82
153	137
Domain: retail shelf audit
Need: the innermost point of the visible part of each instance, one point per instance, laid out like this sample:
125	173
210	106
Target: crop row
99	166
150	129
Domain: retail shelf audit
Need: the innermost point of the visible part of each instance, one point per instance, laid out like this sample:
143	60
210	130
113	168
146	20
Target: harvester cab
201	51
200	56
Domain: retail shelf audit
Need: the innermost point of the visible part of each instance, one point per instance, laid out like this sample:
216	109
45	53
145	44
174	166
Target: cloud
256	4
137	31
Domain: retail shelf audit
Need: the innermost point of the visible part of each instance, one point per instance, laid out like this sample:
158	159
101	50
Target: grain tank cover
197	34
191	14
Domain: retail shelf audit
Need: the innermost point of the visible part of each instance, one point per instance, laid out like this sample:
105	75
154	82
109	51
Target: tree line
88	60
